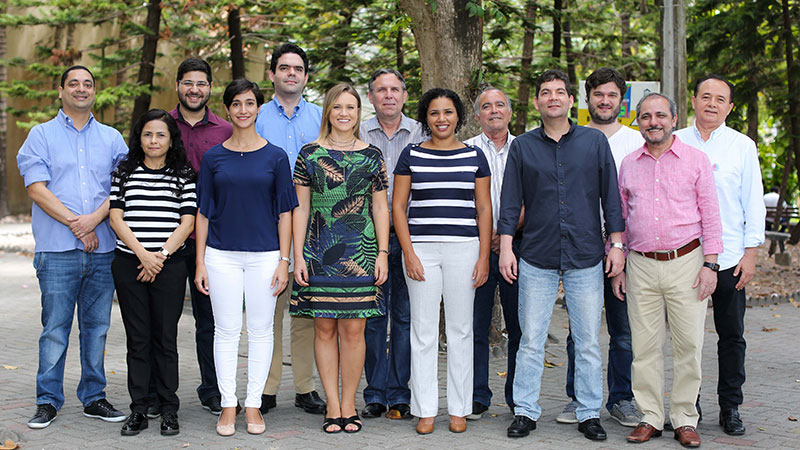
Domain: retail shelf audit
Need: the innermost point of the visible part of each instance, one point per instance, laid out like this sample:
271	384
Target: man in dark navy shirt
561	173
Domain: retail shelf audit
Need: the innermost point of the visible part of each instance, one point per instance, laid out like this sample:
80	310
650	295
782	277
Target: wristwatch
164	252
712	266
618	245
284	258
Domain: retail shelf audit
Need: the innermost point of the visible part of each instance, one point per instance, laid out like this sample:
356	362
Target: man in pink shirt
669	202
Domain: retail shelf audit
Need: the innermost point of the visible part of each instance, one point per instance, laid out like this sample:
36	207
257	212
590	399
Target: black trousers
729	306
204	330
150	313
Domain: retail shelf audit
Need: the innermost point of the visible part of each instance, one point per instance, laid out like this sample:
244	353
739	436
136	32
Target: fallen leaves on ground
502	374
768	330
793	419
6	366
9	445
552	364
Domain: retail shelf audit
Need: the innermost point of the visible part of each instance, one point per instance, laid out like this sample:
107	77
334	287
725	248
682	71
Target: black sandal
352	421
331	421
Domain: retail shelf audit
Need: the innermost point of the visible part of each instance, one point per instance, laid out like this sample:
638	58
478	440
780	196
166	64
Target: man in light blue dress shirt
67	164
290	122
737	175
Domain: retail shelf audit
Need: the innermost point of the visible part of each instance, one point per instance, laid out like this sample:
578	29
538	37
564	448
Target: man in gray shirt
387	372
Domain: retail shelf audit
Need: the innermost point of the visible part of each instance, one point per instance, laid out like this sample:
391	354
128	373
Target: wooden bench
779	238
790	217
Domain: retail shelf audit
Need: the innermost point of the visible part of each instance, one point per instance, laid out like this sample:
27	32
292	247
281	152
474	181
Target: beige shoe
227	430
256	428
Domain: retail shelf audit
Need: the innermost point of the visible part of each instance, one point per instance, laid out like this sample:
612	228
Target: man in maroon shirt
200	130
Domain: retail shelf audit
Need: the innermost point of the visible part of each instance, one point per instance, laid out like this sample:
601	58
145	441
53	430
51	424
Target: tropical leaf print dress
341	246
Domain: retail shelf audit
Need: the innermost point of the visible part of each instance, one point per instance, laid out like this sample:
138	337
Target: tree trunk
121	108
558	7
794	120
398	49
524	92
235	34
573	77
673	70
449	44
752	116
625	28
58	37
3	119
147	64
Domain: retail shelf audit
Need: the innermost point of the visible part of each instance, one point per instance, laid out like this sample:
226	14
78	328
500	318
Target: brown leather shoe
424	428
687	436
459	425
642	433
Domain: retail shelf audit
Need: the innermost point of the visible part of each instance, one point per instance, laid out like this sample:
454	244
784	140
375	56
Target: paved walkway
772	392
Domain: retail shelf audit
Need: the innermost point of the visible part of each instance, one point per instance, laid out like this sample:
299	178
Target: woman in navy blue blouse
445	232
245	198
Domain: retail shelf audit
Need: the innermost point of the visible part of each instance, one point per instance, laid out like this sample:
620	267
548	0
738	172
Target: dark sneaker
268	401
310	402
626	413
568	413
169	424
477	411
101	409
521	427
44	415
153	411
213	405
134	425
373	410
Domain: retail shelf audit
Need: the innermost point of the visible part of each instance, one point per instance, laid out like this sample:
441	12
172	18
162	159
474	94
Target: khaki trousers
302	348
655	287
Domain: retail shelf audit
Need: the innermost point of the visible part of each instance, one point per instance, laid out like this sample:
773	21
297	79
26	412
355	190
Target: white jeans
448	272
231	277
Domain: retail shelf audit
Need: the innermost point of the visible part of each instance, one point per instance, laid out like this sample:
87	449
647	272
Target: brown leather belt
672	254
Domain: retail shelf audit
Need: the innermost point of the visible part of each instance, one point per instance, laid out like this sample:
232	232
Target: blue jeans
387	374
67	279
537	295
482	321
620	355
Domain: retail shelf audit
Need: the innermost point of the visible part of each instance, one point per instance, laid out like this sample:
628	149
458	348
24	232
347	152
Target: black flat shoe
135	423
267	402
592	429
521	427
373	410
731	422
331	421
169	424
310	402
352	420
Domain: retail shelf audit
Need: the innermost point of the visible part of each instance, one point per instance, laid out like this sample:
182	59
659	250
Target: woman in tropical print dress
341	241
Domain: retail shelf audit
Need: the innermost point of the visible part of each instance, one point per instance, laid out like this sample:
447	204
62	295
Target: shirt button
563	220
656	218
81	167
656	199
561	183
657	238
80	150
559	164
656	180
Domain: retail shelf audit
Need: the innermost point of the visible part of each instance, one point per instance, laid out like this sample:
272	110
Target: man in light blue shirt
67	164
737	175
290	122
387	368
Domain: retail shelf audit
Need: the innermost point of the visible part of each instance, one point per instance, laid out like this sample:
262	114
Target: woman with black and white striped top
445	232
152	209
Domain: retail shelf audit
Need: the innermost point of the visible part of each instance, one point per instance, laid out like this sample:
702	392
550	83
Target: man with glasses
201	129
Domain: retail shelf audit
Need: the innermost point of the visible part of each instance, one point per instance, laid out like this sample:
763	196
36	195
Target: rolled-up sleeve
755	211
709	208
285	193
33	159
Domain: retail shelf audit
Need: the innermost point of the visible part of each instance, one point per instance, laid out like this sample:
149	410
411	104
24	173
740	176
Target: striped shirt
151	207
442	206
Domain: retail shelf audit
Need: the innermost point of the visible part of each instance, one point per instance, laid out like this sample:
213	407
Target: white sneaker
568	413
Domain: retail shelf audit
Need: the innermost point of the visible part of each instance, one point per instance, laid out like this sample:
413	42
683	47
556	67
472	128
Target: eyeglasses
199	84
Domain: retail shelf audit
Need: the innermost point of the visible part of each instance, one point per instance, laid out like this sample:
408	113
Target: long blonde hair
330	98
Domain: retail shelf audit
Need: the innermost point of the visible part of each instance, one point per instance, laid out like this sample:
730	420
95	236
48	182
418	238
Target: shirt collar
205	120
297	109
67	120
677	148
374	124
544	135
485	139
719	130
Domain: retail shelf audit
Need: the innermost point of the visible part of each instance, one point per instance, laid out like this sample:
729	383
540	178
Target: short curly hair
425	103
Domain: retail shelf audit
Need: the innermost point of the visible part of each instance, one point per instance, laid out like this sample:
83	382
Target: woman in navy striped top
445	232
152	208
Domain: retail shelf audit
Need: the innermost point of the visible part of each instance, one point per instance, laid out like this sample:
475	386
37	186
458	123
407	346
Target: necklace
342	144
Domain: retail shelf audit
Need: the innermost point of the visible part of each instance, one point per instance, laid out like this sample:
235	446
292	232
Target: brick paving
772	392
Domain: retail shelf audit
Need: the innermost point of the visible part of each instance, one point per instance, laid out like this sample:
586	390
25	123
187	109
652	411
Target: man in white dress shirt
737	175
493	111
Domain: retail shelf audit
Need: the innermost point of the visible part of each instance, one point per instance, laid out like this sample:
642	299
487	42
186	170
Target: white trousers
233	276
448	273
